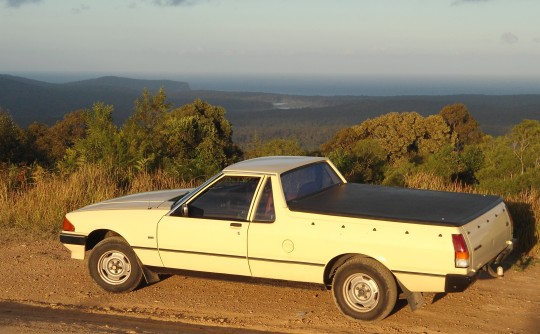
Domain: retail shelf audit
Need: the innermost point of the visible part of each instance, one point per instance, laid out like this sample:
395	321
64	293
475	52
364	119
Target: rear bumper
504	254
458	283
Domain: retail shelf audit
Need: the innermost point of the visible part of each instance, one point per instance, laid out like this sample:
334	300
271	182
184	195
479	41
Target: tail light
67	226
461	251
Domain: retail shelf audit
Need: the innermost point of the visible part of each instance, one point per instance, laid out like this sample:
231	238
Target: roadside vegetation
48	171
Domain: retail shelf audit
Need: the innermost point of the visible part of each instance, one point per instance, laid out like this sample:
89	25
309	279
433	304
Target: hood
163	199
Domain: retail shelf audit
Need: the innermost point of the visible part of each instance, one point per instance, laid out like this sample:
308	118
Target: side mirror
185	210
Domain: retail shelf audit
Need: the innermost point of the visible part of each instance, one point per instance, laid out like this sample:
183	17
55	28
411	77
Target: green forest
86	157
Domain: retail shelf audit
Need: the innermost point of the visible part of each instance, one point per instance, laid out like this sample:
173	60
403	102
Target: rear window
308	180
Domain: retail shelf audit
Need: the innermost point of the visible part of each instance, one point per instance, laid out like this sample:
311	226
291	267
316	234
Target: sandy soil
42	290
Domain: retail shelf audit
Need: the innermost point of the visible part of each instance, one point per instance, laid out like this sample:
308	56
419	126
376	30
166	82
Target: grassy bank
34	201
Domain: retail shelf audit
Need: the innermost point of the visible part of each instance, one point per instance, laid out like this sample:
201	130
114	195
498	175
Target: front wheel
114	266
364	289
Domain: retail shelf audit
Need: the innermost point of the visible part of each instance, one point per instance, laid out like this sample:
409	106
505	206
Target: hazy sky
352	37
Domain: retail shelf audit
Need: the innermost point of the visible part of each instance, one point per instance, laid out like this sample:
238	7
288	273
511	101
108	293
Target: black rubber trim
288	262
202	253
417	273
238	257
458	283
144	248
72	239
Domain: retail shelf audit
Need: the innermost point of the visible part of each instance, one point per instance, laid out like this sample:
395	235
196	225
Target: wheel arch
97	236
336	262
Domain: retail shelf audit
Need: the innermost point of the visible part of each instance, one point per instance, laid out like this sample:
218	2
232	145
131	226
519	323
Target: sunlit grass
35	201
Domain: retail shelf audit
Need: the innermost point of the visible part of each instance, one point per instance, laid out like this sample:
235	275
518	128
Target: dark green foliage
50	144
403	136
445	163
12	140
472	160
102	144
281	147
365	162
461	122
381	145
198	140
141	132
512	162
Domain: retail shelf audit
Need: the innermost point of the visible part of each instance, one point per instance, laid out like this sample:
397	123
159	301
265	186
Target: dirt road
43	291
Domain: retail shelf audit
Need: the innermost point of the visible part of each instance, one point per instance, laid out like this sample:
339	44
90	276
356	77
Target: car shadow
237	279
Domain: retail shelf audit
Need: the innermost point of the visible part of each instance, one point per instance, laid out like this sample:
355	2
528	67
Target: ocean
327	85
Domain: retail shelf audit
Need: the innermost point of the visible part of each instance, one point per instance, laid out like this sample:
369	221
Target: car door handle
236	225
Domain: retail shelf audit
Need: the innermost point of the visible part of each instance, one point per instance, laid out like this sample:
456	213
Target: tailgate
488	235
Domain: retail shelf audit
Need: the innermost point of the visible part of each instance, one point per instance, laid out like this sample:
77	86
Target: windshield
308	180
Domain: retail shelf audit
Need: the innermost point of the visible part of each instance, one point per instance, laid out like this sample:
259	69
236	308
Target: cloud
509	38
173	3
19	3
80	9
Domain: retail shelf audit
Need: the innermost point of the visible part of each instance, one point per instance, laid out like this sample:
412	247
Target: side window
229	198
265	209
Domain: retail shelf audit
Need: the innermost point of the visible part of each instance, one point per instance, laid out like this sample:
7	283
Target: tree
197	139
141	129
512	162
364	163
65	133
102	144
49	144
403	136
12	139
525	142
445	163
37	135
461	122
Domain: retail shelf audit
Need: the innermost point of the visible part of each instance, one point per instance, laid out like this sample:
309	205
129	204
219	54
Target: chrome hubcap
361	292
114	267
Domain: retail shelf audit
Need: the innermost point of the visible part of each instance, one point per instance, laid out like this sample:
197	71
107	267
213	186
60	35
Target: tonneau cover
396	204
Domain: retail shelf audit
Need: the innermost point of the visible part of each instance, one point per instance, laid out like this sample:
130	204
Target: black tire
364	289
114	266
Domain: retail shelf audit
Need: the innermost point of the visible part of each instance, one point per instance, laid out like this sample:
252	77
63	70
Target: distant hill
138	85
311	119
31	100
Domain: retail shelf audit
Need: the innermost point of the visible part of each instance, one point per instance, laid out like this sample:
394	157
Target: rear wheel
364	289
114	266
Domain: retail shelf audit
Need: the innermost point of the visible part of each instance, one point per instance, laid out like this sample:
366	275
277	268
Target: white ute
296	218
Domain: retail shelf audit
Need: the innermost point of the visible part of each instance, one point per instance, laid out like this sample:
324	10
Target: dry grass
524	208
35	201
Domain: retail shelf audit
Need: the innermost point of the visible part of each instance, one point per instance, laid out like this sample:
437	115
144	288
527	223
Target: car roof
273	164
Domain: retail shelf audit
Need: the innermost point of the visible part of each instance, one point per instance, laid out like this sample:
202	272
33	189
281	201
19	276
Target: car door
292	245
209	232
